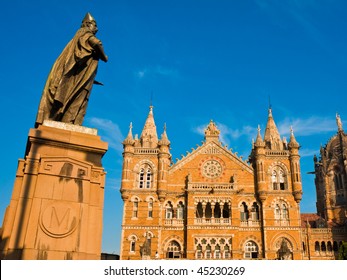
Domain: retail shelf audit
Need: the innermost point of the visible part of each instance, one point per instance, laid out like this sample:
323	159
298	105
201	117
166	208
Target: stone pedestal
57	202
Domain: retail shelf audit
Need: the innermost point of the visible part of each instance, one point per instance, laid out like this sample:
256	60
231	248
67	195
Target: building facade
212	204
324	232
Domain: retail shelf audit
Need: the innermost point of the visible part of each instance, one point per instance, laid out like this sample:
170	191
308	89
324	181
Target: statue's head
90	23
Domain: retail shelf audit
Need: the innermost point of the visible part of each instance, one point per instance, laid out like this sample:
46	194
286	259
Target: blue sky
199	60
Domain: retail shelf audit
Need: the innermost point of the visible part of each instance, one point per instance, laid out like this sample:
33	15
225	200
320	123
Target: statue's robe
65	95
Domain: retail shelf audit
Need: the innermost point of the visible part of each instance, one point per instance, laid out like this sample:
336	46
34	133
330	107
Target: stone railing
250	223
173	222
277	153
207	186
146	151
213	221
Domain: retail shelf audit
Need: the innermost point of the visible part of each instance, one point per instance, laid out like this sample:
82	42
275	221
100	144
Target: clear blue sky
200	60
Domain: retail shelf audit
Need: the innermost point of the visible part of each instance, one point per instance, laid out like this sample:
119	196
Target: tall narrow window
135	207
132	244
244	212
150	208
255	212
168	211
285	215
277	212
180	211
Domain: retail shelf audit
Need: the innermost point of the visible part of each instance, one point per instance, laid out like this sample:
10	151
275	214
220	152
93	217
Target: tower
143	188
331	177
277	180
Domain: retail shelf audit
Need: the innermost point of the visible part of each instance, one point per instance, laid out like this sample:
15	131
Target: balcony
212	221
174	222
250	223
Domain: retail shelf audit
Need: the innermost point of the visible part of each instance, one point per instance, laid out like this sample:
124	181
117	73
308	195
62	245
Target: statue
69	83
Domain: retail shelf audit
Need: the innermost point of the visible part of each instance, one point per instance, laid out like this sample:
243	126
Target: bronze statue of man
66	93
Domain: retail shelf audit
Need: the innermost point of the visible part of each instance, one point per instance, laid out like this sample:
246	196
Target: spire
339	123
129	139
272	137
212	132
164	139
259	141
149	136
292	142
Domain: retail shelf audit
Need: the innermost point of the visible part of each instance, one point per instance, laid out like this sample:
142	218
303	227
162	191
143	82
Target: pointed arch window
168	211
132	244
244	212
180	210
145	177
255	212
251	250
278	179
173	250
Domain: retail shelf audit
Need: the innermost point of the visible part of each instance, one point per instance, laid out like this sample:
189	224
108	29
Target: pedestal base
57	202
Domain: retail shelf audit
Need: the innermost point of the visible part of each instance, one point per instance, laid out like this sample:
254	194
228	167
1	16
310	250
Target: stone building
324	232
212	204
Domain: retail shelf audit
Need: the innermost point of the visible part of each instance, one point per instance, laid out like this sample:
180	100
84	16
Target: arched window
226	210
217	211
199	252
226	252
150	208
284	213
180	210
208	211
323	246
329	246
135	207
277	212
168	211
199	210
132	246
255	212
281	213
173	250
278	179
217	254
244	212
251	250
145	177
208	254
316	246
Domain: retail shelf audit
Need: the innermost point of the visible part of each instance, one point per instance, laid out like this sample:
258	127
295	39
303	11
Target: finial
339	122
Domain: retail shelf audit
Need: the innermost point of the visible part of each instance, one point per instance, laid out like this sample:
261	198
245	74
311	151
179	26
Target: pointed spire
129	139
339	123
272	137
292	142
149	136
164	139
259	141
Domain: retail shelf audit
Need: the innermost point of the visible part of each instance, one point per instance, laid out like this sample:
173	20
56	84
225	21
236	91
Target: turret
294	158
164	164
128	146
259	154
